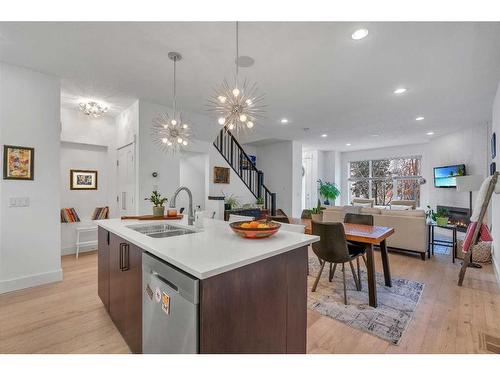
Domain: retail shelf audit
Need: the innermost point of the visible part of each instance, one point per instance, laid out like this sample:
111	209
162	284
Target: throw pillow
366	205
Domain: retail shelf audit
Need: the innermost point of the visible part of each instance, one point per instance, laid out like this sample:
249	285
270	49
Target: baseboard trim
30	281
72	249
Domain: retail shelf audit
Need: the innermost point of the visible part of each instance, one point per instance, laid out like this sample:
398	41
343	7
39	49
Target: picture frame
221	175
18	163
80	179
493	145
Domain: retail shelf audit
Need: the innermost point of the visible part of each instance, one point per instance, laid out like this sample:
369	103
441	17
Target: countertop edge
214	272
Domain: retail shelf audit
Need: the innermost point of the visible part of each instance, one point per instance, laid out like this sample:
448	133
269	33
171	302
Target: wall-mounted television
444	177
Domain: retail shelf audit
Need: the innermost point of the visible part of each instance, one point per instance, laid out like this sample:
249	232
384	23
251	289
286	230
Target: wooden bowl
255	233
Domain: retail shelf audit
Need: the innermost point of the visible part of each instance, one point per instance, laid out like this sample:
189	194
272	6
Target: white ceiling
312	73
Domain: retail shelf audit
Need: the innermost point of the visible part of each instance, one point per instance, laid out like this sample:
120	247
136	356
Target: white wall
30	236
194	173
495	220
467	146
281	163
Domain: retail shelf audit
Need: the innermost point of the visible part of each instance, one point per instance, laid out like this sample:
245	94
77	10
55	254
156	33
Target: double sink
160	230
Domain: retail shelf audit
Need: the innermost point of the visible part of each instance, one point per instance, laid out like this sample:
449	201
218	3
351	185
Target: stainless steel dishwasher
170	311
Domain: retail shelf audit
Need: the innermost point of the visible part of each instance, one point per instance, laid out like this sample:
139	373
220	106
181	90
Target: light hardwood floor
68	317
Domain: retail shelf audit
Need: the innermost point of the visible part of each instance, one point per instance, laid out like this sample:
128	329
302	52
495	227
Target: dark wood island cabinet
256	308
120	285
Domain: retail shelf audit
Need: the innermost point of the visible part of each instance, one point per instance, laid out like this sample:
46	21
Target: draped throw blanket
484	235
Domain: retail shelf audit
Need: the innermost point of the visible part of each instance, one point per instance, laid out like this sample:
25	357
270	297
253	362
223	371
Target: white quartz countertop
212	250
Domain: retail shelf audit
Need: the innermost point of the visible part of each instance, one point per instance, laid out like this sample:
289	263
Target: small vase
317	217
158	210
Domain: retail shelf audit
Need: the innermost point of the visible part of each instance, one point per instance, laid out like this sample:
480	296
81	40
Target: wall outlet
19	202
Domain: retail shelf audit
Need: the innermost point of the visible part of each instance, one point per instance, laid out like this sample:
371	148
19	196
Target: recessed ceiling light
400	90
419	118
359	34
324	135
375	135
430	133
347	144
284	121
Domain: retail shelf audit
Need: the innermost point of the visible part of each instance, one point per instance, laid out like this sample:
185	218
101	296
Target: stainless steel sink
160	230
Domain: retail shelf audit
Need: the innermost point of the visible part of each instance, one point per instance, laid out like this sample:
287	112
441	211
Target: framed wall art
18	163
82	180
221	175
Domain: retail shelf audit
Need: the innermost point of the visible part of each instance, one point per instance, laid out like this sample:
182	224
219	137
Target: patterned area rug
388	321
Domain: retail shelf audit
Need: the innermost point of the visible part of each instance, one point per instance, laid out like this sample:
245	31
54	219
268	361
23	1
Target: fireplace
458	216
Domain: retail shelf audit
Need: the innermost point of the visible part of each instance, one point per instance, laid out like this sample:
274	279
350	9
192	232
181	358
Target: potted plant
230	202
158	201
442	217
328	191
260	202
317	212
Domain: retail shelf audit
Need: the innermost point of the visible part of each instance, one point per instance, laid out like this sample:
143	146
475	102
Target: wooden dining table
371	235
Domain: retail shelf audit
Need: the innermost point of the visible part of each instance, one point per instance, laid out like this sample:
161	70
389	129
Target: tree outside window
386	179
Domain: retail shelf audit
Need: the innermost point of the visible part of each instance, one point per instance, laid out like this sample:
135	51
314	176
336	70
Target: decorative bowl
241	228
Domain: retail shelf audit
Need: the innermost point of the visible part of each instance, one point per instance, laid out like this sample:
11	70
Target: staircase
237	158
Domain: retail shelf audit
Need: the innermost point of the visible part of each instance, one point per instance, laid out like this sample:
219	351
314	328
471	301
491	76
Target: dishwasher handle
162	279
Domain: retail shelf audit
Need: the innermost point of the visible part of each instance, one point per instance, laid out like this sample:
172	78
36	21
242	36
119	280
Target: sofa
410	226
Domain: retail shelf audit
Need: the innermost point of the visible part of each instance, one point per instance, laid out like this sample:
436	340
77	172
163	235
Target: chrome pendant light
169	132
238	107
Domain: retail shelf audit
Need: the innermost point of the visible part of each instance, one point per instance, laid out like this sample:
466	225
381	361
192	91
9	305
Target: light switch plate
19	202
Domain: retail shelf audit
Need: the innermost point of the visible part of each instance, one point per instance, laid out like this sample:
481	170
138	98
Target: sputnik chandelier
170	133
237	107
92	108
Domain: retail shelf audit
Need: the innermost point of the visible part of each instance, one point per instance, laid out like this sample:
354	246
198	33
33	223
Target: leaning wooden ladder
475	236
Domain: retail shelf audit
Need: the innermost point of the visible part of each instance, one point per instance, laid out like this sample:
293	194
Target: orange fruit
254	224
263	226
245	225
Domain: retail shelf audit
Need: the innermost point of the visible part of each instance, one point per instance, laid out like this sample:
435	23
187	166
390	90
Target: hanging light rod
169	132
239	106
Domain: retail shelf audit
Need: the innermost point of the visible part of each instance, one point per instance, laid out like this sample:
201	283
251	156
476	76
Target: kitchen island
250	295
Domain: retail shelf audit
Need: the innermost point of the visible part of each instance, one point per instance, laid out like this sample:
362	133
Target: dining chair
351	218
306	214
334	249
233	218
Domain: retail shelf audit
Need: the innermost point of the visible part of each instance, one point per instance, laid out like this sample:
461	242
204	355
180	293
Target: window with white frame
385	179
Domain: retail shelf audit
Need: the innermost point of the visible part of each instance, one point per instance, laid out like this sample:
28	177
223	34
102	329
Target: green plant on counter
156	199
231	201
259	200
328	191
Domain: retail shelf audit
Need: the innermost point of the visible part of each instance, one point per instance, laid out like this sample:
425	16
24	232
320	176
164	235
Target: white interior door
126	180
308	182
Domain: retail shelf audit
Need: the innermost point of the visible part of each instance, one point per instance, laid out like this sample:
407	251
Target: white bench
79	231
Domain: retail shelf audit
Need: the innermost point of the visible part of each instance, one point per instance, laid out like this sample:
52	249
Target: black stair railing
237	158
